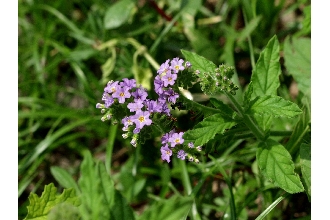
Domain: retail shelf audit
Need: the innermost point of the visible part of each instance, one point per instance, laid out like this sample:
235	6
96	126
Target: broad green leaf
120	208
198	62
173	208
118	14
301	129
275	106
207	129
39	207
276	164
305	162
106	185
64	178
297	60
89	182
265	76
64	211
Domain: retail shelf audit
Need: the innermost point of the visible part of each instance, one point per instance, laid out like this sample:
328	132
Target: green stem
253	63
109	149
188	189
272	206
248	120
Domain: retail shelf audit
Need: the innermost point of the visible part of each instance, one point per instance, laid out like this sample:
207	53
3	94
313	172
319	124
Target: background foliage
68	50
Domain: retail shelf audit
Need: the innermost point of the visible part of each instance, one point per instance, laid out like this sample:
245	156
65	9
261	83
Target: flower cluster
129	101
173	142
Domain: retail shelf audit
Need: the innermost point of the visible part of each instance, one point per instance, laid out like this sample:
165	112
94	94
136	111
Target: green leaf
118	14
173	208
89	182
265	77
297	60
275	106
248	29
226	111
276	164
64	178
120	208
207	129
198	62
301	129
305	162
39	208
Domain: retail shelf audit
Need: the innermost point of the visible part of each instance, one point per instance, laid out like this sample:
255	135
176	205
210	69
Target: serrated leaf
275	106
198	62
118	14
276	164
297	60
207	129
39	207
305	162
173	208
265	76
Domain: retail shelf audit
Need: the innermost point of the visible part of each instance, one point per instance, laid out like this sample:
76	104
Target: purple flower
187	64
164	68
159	85
169	79
111	87
122	94
140	94
176	65
130	83
108	100
135	106
166	136
127	121
182	155
141	118
176	138
166	153
191	145
153	106
171	95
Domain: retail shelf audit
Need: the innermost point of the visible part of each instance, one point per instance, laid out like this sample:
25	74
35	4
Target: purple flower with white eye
176	138
130	83
141	118
182	155
164	69
169	79
135	106
108	100
140	94
166	153
111	87
176	65
122	94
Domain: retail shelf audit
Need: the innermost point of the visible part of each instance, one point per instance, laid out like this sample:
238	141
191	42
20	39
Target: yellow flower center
141	119
121	94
